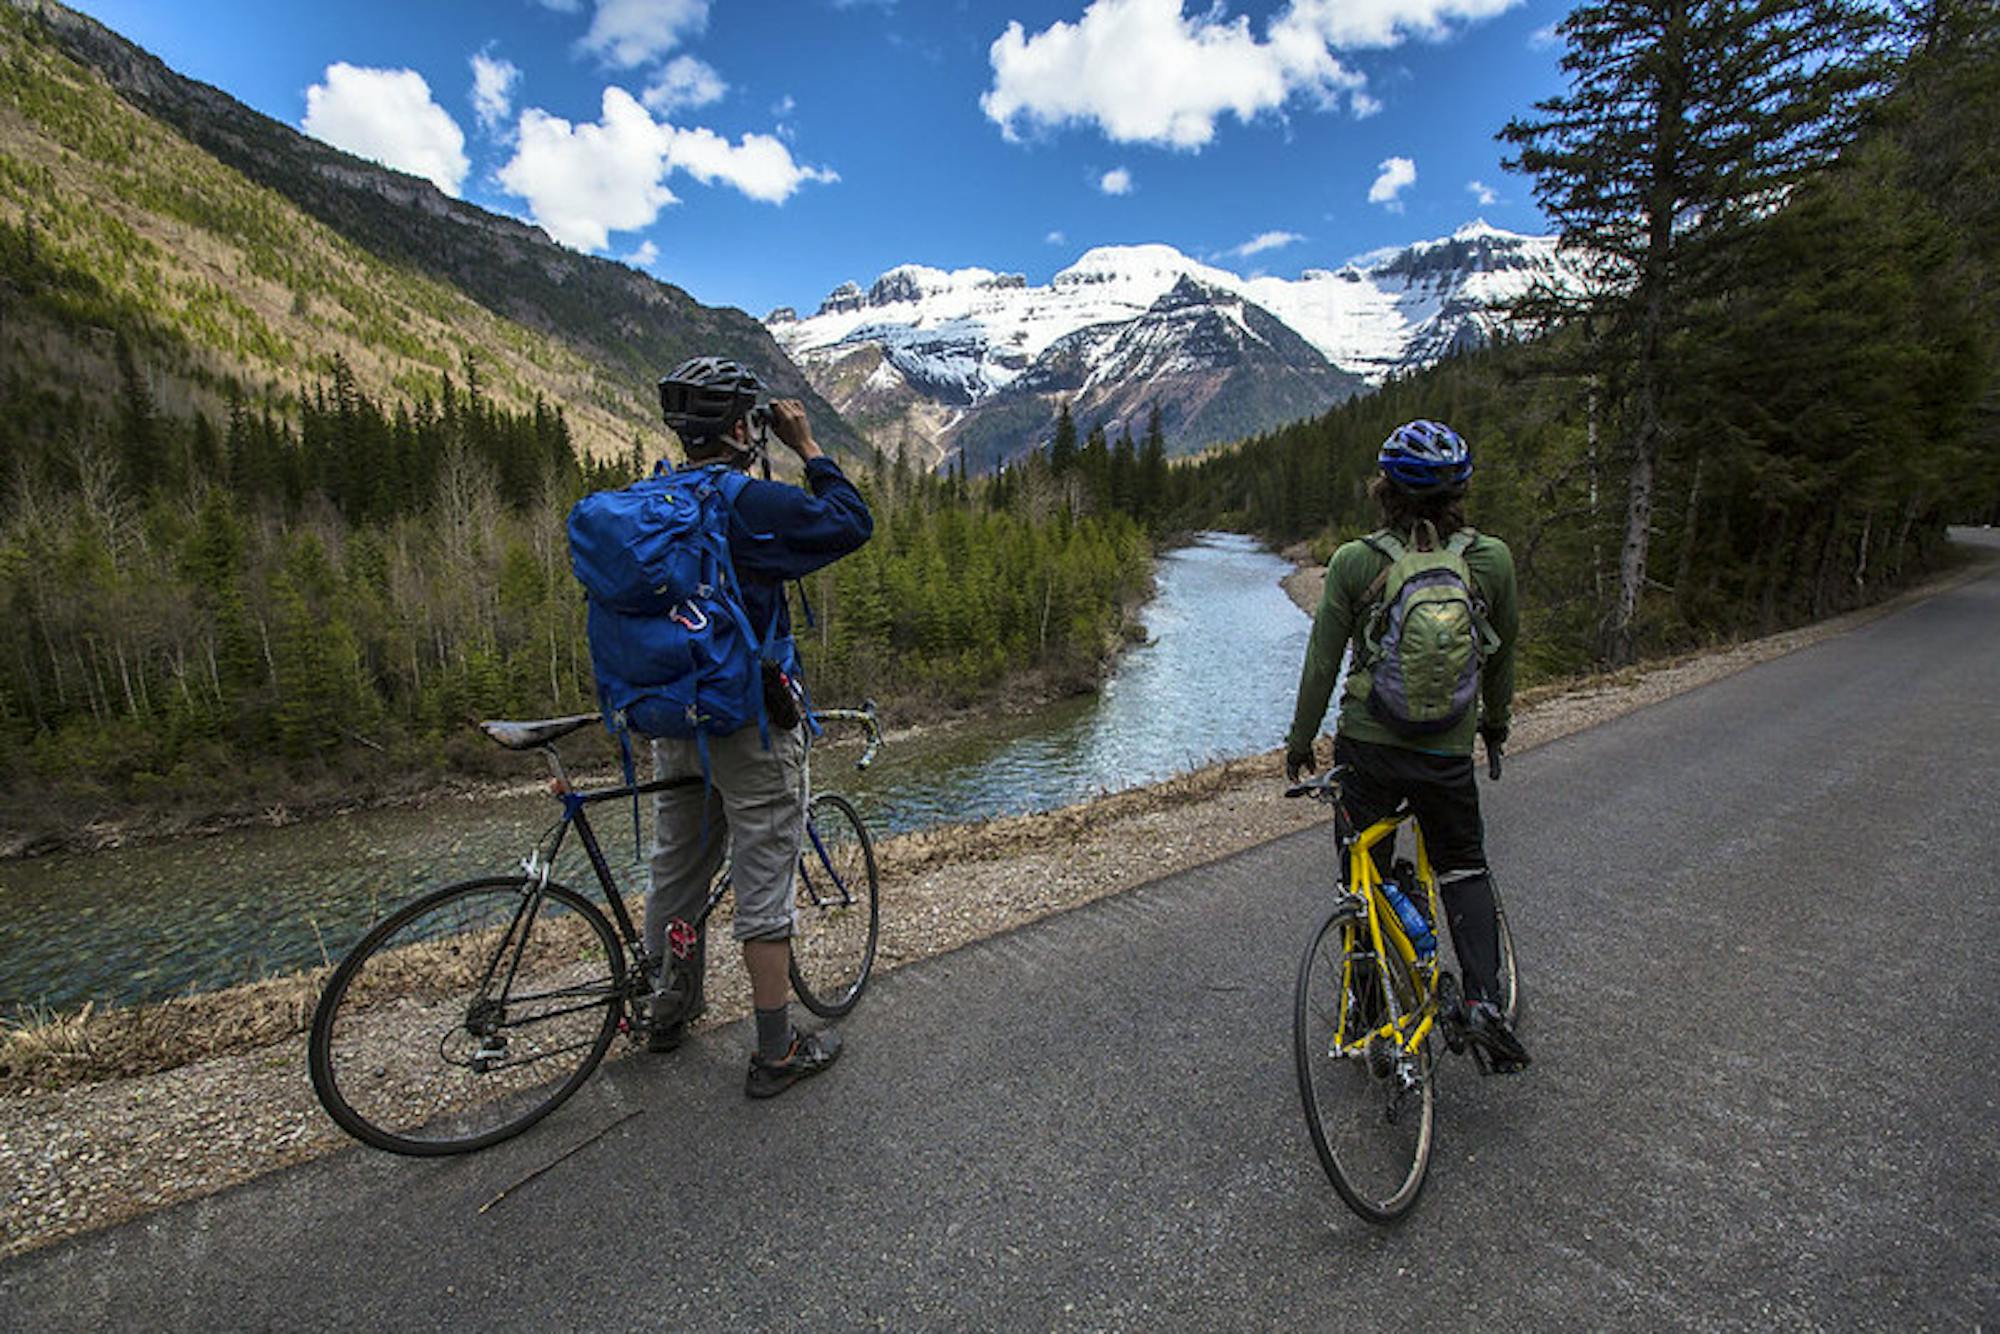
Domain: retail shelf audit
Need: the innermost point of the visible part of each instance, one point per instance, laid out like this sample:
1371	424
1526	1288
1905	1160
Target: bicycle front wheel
839	918
1369	1104
466	1016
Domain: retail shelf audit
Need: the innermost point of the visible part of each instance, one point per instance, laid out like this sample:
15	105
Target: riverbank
82	1149
904	719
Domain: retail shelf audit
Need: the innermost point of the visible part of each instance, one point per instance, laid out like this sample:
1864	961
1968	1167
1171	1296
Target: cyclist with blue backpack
691	641
1430	608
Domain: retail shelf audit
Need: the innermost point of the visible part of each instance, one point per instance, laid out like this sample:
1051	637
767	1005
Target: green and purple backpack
1427	637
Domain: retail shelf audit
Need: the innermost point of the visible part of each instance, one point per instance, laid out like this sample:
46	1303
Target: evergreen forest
227	615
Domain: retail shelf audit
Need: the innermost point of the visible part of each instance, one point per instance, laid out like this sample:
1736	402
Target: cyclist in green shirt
1420	490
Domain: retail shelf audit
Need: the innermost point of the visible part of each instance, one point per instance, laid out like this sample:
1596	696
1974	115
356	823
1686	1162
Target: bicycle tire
839	913
1374	1143
1510	971
394	1055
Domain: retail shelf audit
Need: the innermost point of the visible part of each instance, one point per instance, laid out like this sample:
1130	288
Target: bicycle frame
681	938
1385	930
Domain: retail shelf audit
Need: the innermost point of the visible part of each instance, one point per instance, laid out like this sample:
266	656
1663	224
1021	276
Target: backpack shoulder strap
1391	546
1461	541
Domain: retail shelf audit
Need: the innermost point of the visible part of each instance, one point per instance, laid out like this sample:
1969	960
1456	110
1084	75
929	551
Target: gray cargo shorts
753	806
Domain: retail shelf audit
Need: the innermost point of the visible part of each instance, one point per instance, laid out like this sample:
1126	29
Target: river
1214	680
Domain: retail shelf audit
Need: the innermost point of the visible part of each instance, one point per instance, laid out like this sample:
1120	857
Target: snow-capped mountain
970	361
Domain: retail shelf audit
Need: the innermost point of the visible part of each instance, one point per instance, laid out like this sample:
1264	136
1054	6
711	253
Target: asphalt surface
1756	925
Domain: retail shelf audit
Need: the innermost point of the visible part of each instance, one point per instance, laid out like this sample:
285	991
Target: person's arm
1331	625
1503	613
795	532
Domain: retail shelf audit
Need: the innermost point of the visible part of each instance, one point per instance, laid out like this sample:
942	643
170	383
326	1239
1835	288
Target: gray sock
774	1032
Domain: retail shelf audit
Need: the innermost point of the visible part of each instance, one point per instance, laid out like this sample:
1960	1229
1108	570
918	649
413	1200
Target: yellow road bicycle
1371	1010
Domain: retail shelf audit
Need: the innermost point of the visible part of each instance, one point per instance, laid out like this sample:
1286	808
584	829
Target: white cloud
1352	25
1258	244
388	115
757	164
493	84
1541	39
583	182
1482	192
1397	175
562	6
1055	238
1362	104
1145	71
784	106
645	256
630	33
684	82
1117	181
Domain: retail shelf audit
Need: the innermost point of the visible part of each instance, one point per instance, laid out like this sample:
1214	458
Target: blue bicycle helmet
1423	457
702	397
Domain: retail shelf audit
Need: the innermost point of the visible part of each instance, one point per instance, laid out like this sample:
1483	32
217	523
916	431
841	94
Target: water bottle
1415	925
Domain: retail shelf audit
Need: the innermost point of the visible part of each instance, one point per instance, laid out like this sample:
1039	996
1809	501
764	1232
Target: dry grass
97	1043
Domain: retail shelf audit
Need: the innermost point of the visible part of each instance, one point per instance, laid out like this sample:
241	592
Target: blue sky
758	152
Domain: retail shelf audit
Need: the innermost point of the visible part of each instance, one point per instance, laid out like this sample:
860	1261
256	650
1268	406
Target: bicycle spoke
466	1016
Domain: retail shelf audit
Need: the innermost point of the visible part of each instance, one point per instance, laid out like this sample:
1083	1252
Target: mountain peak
964	361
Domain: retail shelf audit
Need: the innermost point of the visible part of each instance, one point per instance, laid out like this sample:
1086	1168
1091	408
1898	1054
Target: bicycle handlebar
870	726
1320	787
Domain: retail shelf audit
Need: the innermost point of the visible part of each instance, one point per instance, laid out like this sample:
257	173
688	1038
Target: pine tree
1062	450
1685	120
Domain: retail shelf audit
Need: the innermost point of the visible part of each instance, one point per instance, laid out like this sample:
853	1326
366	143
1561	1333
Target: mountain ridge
625	326
944	349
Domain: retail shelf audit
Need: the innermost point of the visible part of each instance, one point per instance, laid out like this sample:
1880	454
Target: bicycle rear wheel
1369	1107
466	1016
1510	972
839	918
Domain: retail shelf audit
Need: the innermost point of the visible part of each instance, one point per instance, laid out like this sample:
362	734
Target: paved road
1757	925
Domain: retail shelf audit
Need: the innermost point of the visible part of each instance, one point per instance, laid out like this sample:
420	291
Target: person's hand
788	423
1300	763
1495	737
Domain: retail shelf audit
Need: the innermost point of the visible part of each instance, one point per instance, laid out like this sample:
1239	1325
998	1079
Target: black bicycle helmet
702	397
1425	457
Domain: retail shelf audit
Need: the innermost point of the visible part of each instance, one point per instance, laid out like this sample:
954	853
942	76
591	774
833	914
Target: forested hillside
238	257
1786	378
231	614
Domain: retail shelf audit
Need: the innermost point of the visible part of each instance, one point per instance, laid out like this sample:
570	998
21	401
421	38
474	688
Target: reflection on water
1215	680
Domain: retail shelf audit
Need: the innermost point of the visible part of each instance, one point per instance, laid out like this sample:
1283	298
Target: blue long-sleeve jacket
778	531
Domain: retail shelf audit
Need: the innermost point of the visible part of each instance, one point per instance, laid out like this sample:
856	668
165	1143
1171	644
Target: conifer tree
1062	450
1685	120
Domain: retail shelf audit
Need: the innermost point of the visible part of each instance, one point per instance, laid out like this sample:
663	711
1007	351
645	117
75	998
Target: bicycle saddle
528	735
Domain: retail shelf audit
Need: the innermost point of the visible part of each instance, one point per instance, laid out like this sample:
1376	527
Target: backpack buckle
689	617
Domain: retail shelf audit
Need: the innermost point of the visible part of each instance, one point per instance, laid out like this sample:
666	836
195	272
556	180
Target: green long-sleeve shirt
1341	617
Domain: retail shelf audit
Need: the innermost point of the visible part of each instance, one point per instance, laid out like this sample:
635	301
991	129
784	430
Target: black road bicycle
468	1015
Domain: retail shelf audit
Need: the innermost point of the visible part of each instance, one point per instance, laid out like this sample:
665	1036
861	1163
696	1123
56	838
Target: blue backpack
670	641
